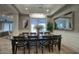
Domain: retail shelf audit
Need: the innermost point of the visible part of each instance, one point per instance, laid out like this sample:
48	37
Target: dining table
40	41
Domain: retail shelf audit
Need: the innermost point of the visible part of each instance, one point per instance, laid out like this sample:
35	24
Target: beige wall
70	38
15	25
22	20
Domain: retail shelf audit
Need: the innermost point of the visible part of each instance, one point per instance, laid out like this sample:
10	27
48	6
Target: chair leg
36	48
24	50
28	49
15	49
59	47
42	49
52	46
49	46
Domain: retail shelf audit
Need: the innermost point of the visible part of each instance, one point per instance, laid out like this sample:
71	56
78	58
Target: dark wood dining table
40	39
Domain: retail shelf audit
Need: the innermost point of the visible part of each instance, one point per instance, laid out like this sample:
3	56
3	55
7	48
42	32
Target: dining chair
32	41
20	42
56	39
45	42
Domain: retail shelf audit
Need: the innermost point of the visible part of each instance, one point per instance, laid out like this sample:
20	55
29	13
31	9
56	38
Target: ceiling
7	9
47	9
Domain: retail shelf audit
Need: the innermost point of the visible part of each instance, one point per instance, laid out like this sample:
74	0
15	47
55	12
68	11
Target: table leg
59	45
13	47
28	47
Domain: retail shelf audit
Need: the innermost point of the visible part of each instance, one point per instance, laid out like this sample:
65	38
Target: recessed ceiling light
26	8
37	15
47	10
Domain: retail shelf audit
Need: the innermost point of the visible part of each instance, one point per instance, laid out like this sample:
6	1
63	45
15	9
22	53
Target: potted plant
49	26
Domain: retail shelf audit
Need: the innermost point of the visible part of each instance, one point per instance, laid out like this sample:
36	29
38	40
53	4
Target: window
7	27
38	21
